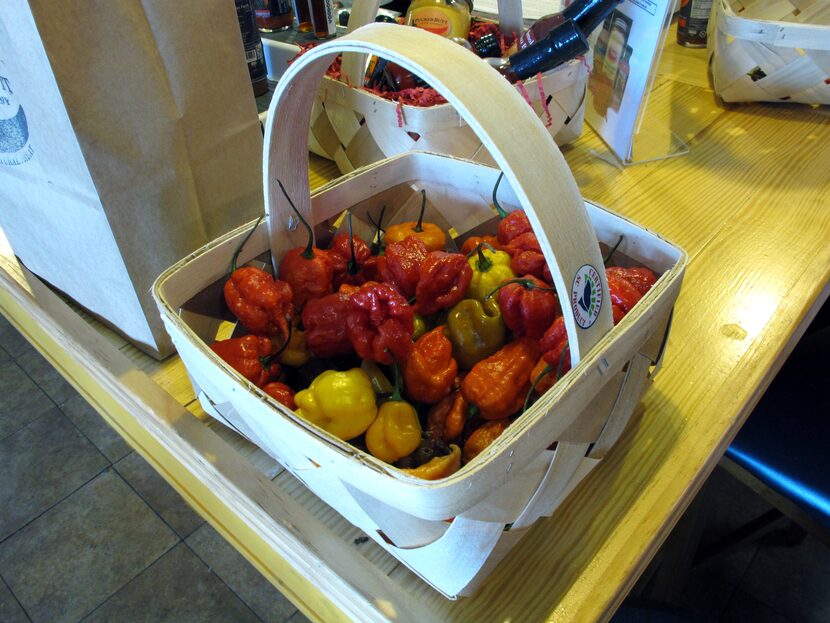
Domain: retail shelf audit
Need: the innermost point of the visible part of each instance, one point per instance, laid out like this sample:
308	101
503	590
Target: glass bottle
302	12
253	46
560	45
323	18
273	15
587	14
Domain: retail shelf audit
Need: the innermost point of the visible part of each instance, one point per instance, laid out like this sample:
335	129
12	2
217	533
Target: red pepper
641	278
443	281
324	320
512	225
528	306
430	370
307	270
261	303
252	356
527	255
281	393
347	255
403	264
554	346
623	294
380	323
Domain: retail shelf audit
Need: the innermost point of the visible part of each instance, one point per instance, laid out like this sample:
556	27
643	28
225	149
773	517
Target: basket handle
505	124
365	11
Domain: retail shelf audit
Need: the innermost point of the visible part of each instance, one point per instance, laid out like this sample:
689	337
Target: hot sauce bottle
448	18
587	14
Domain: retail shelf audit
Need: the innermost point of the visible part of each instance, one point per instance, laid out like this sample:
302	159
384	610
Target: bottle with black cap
586	14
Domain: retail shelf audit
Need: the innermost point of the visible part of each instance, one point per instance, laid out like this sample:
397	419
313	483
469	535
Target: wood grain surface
749	204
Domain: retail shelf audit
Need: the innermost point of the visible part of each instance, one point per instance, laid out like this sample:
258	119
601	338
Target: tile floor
89	532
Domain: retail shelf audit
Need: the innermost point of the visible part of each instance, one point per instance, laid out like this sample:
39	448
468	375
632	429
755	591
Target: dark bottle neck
561	44
588	14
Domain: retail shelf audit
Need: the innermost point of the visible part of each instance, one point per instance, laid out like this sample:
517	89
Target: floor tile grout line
11	592
129	580
60	501
218	577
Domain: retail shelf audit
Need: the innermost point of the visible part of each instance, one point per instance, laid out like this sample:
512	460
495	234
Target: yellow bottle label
434	19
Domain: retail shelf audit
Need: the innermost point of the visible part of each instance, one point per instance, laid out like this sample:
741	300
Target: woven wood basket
771	50
495	498
354	127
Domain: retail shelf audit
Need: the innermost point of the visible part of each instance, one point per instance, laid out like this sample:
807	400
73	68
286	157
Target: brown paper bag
129	137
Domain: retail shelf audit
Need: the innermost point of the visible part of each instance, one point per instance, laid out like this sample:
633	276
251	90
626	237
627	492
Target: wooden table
750	206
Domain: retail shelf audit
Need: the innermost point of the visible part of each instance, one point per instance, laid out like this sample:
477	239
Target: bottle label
432	19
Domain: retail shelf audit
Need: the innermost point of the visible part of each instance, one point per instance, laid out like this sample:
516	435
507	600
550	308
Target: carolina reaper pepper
347	255
526	254
325	319
476	331
261	303
641	277
307	270
380	323
623	294
512	223
401	264
528	306
430	369
342	403
429	233
483	436
443	281
446	418
396	431
490	268
498	385
295	354
252	356
281	393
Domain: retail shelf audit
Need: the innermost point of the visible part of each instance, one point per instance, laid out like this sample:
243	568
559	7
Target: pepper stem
527	284
266	361
378	237
483	263
502	212
242	244
545	371
612	251
396	392
309	248
353	267
419	226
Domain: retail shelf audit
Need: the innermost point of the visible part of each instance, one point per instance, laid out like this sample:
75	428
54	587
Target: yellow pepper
395	433
295	354
438	467
490	268
342	403
421	327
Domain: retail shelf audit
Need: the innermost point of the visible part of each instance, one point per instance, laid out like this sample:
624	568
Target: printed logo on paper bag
15	148
586	296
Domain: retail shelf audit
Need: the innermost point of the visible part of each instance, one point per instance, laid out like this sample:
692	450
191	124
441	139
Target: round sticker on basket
586	296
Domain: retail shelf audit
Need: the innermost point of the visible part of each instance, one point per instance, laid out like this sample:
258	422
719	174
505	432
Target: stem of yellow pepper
396	392
483	264
242	244
419	227
527	284
502	212
309	248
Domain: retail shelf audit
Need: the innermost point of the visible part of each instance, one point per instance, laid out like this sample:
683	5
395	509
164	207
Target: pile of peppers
414	352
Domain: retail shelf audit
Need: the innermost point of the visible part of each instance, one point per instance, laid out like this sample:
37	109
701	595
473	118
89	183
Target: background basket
771	51
354	127
495	498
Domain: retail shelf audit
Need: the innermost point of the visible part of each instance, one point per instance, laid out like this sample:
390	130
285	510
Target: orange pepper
446	419
438	467
429	233
483	436
430	370
499	384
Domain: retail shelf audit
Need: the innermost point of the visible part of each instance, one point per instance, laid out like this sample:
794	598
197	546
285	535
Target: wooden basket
354	127
495	498
771	51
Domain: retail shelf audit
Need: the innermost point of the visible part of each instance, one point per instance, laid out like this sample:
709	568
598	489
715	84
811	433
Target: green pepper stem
545	371
396	392
612	251
242	244
266	361
527	284
309	248
419	226
502	212
483	263
353	267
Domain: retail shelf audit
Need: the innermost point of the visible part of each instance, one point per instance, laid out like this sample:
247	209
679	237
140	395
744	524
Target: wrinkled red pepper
261	303
526	254
306	269
324	320
623	294
443	281
513	225
641	277
403	264
347	255
380	323
528	306
282	393
253	356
